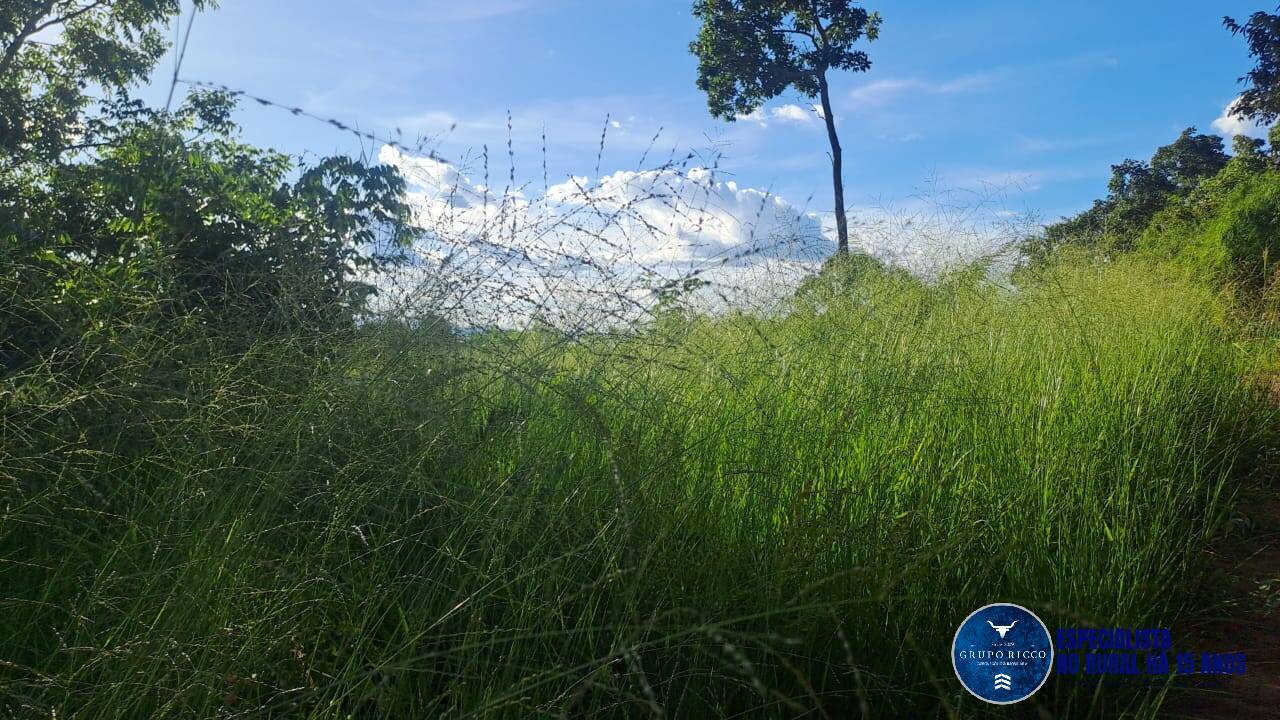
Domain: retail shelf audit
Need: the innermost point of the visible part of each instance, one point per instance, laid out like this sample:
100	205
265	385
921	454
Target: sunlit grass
711	518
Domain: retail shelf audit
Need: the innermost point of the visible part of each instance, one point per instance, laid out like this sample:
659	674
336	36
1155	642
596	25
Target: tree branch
72	15
791	31
817	23
29	28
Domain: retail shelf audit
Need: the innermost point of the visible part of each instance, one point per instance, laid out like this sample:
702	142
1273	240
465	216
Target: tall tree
750	51
54	54
1261	99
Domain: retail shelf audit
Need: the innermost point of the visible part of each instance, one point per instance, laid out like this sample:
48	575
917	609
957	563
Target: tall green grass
738	516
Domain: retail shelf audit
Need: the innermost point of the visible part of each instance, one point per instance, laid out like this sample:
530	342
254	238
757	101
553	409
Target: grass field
738	516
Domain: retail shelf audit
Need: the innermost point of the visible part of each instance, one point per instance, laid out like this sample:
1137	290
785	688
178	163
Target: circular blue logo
1002	653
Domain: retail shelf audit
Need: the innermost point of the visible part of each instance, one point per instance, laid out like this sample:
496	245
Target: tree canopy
1261	99
1138	190
55	53
107	205
751	51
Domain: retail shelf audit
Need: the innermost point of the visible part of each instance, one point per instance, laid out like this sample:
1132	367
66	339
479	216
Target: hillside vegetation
1216	216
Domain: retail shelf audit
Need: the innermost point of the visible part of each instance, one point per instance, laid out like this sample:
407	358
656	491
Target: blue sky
1030	101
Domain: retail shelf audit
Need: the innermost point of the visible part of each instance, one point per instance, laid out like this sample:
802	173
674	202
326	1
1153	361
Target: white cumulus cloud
793	113
587	253
788	113
1228	124
755	116
590	251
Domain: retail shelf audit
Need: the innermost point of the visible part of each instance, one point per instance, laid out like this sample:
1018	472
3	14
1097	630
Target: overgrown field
712	517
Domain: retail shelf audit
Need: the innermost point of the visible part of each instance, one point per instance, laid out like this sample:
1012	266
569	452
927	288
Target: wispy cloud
1017	181
449	11
1034	145
789	113
892	89
883	92
584	250
345	94
567	125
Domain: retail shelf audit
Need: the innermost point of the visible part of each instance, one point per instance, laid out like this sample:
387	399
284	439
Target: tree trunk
837	170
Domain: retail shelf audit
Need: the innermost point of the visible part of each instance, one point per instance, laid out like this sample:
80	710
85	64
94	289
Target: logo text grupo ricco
1002	653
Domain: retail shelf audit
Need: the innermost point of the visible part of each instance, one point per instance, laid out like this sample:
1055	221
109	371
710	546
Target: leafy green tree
1249	151
54	54
1087	229
110	209
175	214
1190	159
1273	140
750	51
1261	99
1136	192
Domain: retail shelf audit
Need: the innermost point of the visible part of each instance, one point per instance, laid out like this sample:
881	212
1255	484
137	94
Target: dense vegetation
1192	204
1215	215
746	516
230	490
